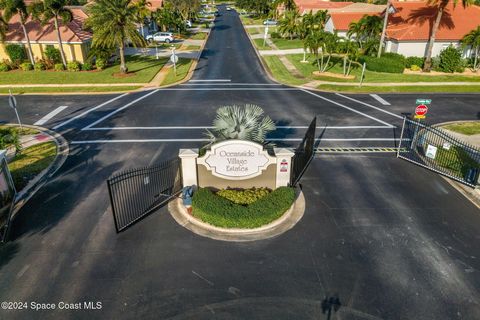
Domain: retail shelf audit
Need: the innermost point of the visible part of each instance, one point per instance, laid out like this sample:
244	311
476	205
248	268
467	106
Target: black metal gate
304	153
136	193
436	150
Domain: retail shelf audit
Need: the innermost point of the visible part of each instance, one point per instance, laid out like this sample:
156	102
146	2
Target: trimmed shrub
275	35
4	67
101	63
247	196
16	53
53	54
26	66
40	66
221	212
383	64
451	60
418	61
414	67
73	66
87	66
59	67
395	56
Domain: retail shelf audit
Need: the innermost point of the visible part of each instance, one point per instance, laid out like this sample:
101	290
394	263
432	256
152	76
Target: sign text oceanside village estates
237	159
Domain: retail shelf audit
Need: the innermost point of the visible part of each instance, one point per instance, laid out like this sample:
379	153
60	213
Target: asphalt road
392	240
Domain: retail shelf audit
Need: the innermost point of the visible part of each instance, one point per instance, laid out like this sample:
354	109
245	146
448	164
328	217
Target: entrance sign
422	108
423	101
237	159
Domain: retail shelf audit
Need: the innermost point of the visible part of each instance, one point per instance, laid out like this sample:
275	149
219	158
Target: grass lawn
467	128
21	131
30	162
183	65
288	44
68	89
399	89
198	36
455	160
141	70
279	71
252	31
247	20
192	47
260	46
164	45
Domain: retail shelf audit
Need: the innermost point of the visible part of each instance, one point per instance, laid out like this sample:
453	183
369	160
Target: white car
229	9
188	23
161	37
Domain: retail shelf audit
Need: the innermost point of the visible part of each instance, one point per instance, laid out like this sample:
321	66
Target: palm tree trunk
476	58
123	65
384	30
60	43
326	63
29	45
427	66
318	62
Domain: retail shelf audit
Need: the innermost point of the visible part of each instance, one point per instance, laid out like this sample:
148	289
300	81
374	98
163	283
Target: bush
275	35
59	67
4	67
436	63
16	53
73	66
451	60
414	67
243	197
101	63
53	55
418	61
87	66
40	66
383	64
26	66
221	212
395	56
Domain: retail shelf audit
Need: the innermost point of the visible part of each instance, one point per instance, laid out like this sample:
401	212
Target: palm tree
313	43
355	30
113	24
289	25
440	8
384	29
53	9
245	123
372	26
143	12
3	29
312	22
14	7
472	39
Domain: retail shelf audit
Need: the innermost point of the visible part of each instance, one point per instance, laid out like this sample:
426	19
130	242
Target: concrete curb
34	185
287	221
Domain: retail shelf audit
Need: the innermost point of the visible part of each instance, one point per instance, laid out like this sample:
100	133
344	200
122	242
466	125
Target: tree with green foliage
247	122
290	24
47	10
14	7
169	18
3	29
472	39
366	32
113	23
440	6
311	22
187	8
143	13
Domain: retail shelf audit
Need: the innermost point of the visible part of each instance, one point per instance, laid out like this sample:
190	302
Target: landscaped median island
217	209
25	163
183	66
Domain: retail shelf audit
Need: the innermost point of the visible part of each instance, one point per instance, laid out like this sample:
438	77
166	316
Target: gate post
189	166
284	166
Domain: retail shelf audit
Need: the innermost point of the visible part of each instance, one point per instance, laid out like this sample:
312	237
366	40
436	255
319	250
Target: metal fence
304	153
433	148
138	192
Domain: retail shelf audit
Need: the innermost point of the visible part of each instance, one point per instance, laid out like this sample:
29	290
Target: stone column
189	166
284	166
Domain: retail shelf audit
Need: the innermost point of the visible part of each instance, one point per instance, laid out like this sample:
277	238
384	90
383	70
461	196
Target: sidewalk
277	52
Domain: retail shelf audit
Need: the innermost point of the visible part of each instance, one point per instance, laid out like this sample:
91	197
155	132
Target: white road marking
120	109
230	89
50	115
202	140
369	105
210	127
212	80
231	84
380	99
88	111
348	108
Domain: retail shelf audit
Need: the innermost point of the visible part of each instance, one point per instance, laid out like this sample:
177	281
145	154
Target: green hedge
414	61
384	64
221	212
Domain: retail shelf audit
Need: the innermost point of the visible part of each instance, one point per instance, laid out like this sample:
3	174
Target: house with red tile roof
339	21
76	39
409	27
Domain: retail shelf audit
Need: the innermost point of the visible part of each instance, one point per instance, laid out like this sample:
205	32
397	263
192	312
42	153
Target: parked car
229	9
188	23
270	22
161	37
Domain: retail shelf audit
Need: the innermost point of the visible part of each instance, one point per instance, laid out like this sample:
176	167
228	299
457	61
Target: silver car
166	37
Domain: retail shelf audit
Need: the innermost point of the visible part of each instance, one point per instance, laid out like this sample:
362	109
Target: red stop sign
421	110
